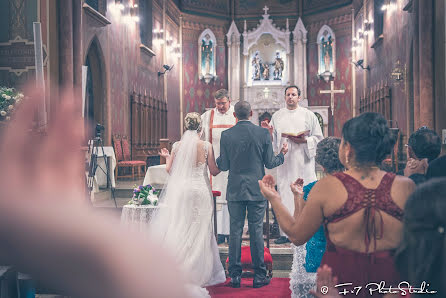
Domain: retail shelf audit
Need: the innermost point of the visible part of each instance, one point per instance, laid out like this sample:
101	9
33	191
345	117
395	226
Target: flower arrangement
145	195
9	98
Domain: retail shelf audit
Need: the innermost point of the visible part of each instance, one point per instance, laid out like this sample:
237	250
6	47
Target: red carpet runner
279	287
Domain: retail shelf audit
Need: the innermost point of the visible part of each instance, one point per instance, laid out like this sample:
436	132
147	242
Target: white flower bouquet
9	99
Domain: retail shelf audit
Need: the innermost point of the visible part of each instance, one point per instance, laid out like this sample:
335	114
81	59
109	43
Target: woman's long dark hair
421	255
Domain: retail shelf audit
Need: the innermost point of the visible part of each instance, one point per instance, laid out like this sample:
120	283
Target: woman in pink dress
361	209
421	255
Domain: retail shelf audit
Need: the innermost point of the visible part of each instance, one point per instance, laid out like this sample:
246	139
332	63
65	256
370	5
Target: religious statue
265	73
207	45
326	49
207	63
327	61
256	67
206	56
278	67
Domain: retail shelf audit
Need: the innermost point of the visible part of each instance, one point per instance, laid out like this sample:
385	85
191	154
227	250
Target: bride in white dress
184	223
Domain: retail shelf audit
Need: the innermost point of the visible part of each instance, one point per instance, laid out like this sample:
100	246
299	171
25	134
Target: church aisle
278	288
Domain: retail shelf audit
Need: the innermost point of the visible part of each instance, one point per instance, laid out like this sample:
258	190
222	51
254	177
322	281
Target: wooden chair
123	160
246	260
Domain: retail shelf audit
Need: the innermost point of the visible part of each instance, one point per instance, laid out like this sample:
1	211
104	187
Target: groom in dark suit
245	150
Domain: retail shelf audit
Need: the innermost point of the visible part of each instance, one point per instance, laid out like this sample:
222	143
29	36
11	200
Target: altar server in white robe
299	162
214	122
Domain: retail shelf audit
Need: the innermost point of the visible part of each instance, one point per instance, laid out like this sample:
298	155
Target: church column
440	67
426	52
245	67
300	57
164	52
353	68
233	70
304	49
298	63
416	68
365	49
230	67
181	76
77	48
66	43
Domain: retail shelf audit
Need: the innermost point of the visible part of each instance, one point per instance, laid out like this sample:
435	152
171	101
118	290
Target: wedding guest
48	231
361	208
421	255
307	259
424	146
424	143
436	168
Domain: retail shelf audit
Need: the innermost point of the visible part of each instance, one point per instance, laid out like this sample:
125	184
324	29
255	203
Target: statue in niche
256	67
278	67
207	63
265	73
207	56
327	53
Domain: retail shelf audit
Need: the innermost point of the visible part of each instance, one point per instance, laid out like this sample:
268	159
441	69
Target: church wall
129	69
418	98
198	96
339	20
173	83
440	67
385	56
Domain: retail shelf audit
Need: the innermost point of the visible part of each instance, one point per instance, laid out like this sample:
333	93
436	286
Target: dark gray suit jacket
245	150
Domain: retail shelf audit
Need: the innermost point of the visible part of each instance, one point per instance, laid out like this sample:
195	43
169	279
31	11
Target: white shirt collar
228	112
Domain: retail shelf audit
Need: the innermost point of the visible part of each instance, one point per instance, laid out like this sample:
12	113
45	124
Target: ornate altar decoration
266	51
326	53
207	44
266	62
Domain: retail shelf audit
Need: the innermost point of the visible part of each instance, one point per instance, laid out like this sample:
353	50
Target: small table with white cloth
156	176
137	217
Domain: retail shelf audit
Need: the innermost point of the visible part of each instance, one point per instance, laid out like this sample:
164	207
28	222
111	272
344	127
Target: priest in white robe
214	122
299	162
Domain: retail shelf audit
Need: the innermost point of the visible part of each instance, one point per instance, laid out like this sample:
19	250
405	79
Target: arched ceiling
252	9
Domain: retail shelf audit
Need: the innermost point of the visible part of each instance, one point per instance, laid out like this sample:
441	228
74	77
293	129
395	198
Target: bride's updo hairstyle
370	137
192	121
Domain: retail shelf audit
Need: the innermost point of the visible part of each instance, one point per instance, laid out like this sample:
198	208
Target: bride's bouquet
145	195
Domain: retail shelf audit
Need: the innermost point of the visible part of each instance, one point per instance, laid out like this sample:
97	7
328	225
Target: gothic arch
95	109
212	73
323	33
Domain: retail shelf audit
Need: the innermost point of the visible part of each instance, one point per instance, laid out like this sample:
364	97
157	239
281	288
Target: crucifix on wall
332	92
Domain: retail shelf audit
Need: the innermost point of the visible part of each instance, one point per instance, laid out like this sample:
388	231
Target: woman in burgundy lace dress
361	209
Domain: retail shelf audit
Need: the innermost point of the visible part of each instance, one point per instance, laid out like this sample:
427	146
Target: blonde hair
192	121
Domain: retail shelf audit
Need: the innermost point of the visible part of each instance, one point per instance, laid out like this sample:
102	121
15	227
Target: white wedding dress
184	222
301	281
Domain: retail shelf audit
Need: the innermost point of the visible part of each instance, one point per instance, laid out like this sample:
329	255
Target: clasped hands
415	166
268	190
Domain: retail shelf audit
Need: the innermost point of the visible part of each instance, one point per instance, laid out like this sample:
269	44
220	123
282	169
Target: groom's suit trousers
237	212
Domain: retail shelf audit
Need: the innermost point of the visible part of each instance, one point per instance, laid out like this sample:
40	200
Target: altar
271	59
156	176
